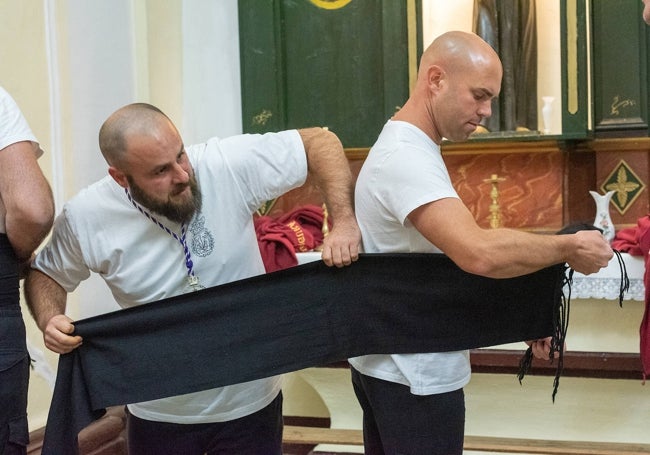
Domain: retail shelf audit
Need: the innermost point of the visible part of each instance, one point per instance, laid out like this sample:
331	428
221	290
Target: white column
211	76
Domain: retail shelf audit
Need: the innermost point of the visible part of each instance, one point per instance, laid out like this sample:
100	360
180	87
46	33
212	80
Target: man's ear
435	76
118	176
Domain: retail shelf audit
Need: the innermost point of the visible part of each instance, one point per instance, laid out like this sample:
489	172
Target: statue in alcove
509	26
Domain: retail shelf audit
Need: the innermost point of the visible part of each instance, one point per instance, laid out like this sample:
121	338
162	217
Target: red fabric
279	239
625	241
636	241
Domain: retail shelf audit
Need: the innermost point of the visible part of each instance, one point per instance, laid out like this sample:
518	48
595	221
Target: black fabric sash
9	288
305	316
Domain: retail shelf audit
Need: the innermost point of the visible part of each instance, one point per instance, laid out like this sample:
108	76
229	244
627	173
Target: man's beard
180	212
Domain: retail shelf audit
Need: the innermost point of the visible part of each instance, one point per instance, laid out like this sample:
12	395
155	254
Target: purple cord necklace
192	279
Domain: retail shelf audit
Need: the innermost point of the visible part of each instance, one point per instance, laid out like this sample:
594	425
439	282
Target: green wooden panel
261	67
575	69
620	67
345	68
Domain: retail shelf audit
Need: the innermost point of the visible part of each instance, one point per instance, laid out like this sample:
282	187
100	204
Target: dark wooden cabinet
620	68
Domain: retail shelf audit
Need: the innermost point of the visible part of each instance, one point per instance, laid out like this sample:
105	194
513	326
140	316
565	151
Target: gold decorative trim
356	153
411	25
572	56
330	4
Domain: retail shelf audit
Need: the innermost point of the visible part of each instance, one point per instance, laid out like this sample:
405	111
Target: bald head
136	119
459	76
456	52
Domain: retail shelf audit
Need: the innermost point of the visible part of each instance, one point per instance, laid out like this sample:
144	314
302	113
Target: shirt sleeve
263	166
13	125
419	181
62	259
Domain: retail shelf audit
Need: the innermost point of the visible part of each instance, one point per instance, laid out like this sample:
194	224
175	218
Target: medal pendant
193	281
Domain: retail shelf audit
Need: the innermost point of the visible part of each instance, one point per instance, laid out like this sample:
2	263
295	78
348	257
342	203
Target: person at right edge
405	202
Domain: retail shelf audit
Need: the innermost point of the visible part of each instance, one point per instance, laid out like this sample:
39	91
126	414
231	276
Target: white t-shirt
101	231
13	128
403	171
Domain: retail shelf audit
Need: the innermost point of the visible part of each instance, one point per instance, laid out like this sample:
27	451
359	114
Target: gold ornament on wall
330	4
618	104
495	208
626	184
262	117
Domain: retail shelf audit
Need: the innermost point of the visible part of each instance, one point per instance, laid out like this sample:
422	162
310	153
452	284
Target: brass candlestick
495	208
325	229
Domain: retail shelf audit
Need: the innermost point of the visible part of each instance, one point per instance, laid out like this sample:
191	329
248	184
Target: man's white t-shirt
403	171
101	231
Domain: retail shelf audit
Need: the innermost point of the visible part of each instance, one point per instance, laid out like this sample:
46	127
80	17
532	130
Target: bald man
170	219
646	11
405	202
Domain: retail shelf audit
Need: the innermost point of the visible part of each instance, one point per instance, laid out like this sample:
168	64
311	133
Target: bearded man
170	219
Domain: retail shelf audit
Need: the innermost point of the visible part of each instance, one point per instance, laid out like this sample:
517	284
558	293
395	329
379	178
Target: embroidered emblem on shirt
202	240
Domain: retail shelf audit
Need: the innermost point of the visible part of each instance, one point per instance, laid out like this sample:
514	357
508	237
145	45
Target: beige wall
164	51
23	64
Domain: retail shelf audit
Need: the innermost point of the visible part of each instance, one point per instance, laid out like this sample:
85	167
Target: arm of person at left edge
330	171
27	197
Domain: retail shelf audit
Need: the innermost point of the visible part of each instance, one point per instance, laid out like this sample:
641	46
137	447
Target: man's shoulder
95	197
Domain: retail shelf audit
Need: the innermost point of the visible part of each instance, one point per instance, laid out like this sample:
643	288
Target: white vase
603	220
547	113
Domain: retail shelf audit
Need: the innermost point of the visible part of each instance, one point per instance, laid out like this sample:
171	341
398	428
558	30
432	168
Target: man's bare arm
46	301
503	253
27	198
329	168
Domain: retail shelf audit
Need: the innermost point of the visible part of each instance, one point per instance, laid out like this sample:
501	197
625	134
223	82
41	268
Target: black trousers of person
14	359
259	433
397	422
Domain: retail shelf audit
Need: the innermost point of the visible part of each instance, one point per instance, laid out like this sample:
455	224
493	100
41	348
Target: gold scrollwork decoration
263	117
618	103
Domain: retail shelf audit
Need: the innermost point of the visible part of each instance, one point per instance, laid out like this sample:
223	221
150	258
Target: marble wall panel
545	184
529	197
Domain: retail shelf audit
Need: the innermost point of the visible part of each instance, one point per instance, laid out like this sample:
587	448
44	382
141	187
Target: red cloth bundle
636	241
280	239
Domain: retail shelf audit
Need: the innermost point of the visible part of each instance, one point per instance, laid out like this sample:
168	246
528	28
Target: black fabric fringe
561	325
625	281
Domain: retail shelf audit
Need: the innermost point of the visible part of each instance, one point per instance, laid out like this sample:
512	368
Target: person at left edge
26	213
171	218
